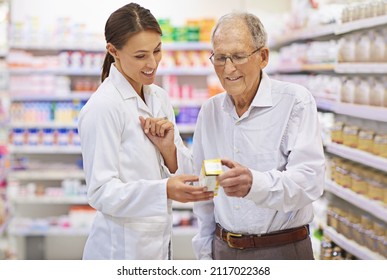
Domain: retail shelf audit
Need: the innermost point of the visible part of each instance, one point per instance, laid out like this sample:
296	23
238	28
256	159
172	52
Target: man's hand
237	180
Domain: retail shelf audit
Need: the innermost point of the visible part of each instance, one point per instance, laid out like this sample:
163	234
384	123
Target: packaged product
211	168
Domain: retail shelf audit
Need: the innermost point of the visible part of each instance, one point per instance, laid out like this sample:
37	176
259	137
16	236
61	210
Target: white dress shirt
278	138
125	173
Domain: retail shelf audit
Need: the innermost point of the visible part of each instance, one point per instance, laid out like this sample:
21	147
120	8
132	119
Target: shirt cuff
260	187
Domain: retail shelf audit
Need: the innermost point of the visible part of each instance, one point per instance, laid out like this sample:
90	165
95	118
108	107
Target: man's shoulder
215	99
297	91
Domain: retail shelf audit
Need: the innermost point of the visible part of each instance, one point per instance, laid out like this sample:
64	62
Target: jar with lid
363	47
358	182
350	135
335	161
375	187
333	215
337	132
366	140
377	93
380	145
380	140
337	253
385	190
343	171
326	249
347	93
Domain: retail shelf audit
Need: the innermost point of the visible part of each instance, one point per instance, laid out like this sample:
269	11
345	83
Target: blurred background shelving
50	65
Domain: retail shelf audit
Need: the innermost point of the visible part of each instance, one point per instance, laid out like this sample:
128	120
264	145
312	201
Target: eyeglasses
236	59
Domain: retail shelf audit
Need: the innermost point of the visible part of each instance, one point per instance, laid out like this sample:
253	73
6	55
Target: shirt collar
263	97
126	91
124	88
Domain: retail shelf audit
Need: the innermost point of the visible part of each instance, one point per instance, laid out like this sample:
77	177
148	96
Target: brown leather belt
272	239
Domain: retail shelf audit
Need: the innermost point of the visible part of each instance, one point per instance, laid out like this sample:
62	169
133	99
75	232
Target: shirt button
236	150
237	207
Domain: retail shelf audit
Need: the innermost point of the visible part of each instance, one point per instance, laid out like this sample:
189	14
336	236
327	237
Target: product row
46	85
359	178
358	226
331	251
365	135
354	89
66	33
18	60
363	9
66	112
44	137
361	46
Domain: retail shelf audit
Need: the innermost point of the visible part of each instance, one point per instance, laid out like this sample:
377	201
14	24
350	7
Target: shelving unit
31	213
350	246
4	101
333	104
328	31
375	208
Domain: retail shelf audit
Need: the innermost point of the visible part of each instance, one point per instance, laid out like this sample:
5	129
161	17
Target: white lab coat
125	173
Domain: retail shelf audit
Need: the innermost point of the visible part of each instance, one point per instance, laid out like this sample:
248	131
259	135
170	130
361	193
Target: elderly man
267	134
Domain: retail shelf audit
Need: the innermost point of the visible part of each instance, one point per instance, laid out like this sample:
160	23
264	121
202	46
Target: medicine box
211	168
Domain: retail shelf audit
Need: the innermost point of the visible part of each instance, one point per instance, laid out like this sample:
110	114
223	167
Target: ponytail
109	59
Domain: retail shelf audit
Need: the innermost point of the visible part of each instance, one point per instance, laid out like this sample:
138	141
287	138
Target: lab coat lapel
153	102
126	90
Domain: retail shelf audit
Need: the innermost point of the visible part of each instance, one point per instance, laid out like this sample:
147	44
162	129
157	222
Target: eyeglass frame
230	57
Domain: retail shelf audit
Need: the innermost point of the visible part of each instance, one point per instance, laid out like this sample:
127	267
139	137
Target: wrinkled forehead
232	35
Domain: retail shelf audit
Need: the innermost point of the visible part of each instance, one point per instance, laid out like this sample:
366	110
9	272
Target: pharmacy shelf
80	200
186	71
186	128
359	156
187	102
52	47
360	68
42	125
185	230
360	24
376	208
355	110
4	225
320	31
168	46
339	68
64	72
351	246
46	174
55	231
186	46
74	95
178	71
45	149
52	231
183	128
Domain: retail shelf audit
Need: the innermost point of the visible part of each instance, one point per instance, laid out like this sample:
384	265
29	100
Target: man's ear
112	50
264	53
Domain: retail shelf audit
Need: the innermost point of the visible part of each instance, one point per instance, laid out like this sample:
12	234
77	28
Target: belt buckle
230	234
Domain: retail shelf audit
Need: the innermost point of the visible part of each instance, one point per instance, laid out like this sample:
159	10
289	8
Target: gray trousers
301	250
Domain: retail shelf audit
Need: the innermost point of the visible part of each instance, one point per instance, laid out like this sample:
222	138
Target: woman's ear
112	50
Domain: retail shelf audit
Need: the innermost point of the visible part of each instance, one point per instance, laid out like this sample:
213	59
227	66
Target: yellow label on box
211	168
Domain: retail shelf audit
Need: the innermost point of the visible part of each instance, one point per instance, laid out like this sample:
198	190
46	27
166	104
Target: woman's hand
178	189
160	132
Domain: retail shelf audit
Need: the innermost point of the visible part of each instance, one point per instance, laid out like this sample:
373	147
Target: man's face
234	39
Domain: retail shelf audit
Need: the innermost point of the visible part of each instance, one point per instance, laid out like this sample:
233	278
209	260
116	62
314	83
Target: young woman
131	147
